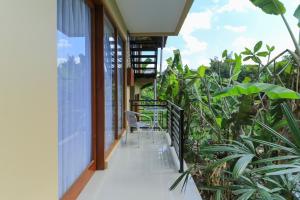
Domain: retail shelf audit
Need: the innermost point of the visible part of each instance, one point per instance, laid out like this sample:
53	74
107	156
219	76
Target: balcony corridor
140	173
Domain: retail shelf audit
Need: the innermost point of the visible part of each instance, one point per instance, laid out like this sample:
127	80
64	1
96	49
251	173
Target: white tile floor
139	173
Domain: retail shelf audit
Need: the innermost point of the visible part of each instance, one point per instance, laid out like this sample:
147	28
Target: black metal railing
154	109
176	131
169	117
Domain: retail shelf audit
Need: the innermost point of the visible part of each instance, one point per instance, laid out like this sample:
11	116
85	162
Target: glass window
109	62
74	90
120	84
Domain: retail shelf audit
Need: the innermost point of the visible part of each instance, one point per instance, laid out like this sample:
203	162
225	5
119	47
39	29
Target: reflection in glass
74	90
109	62
120	84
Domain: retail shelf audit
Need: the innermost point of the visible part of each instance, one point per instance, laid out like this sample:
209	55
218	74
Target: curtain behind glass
120	84
74	90
109	62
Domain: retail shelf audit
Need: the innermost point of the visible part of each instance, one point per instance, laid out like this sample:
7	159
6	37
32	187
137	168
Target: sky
215	25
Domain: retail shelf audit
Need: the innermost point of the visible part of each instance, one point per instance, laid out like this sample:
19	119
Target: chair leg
139	132
153	136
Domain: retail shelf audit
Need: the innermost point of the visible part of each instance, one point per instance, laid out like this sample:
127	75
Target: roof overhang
154	17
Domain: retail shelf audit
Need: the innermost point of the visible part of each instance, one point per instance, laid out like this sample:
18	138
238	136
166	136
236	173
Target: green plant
223	129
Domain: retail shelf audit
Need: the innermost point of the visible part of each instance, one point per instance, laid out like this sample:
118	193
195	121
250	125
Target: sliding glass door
74	90
120	84
110	87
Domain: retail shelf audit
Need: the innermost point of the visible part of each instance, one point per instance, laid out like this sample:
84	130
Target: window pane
120	84
74	90
109	62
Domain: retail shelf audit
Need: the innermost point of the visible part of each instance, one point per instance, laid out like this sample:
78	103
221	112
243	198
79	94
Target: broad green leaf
237	68
256	59
201	71
219	121
247	58
257	46
247	79
270	49
224	54
263	54
146	65
274	7
247	52
297	15
272	91
241	165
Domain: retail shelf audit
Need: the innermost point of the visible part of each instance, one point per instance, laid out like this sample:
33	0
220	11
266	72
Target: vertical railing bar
171	128
181	141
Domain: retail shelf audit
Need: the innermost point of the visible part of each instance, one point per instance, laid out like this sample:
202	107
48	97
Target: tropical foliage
242	131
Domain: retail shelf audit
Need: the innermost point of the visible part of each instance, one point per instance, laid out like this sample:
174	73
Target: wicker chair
134	123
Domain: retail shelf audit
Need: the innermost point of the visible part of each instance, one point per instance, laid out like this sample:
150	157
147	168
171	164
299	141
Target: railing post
171	124
181	141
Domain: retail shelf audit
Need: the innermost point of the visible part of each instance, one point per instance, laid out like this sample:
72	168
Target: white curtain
74	90
109	62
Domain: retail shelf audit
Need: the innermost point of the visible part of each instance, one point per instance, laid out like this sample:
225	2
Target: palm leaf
276	134
222	148
293	125
276	146
223	160
241	165
272	168
179	179
284	171
278	158
247	195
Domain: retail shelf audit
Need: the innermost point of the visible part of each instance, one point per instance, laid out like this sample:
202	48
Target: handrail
176	131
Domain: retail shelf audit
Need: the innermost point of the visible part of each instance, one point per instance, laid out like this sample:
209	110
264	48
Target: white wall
28	110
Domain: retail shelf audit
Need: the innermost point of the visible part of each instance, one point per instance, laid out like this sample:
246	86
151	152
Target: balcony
147	169
144	172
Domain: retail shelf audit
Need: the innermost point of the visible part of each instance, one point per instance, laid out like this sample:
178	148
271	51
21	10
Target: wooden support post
99	88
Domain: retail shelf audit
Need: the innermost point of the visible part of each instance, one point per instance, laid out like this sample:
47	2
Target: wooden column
99	94
124	82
